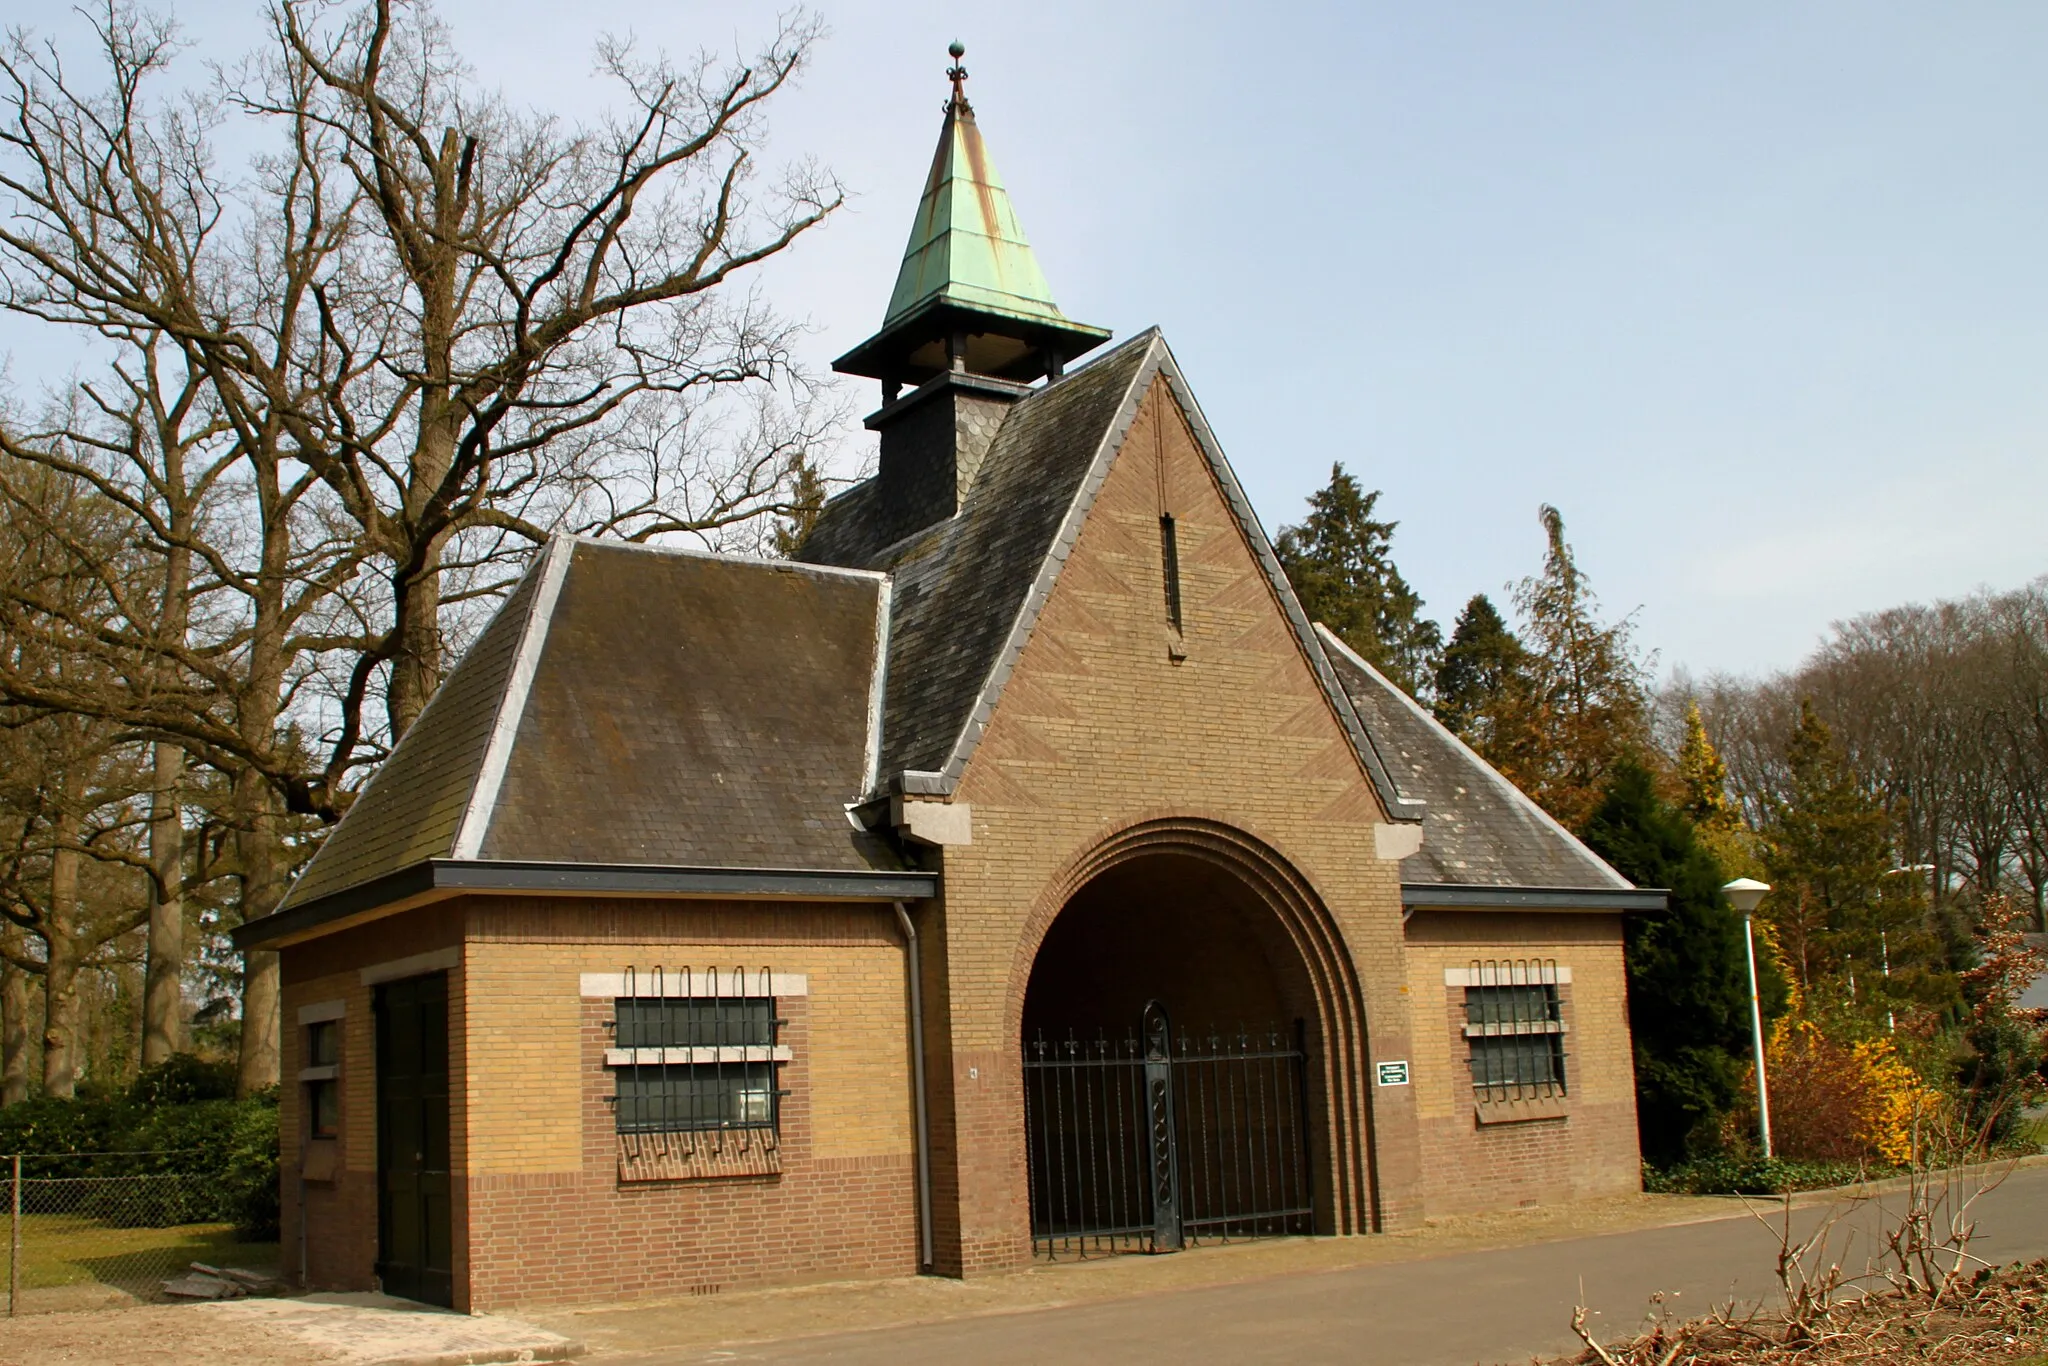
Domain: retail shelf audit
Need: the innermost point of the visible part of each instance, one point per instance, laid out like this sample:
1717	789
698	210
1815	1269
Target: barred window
320	1078
691	1062
1514	1030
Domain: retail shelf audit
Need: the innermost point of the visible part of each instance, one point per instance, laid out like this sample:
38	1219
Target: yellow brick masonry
525	960
1588	1151
534	1156
1099	727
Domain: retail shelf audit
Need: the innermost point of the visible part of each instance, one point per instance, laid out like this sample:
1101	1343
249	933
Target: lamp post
1743	894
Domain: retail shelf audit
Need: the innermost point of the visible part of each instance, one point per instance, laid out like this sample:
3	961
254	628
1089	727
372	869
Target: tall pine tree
1482	685
1588	702
1688	982
1339	561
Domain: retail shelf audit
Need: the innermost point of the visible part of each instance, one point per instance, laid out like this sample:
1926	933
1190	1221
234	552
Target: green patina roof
966	246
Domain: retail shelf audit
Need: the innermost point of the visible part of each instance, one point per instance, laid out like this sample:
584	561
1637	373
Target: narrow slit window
1169	545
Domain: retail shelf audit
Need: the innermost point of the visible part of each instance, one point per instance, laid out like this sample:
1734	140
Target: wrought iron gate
1146	1142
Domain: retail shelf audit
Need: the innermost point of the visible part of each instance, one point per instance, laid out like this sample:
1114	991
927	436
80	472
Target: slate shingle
1478	829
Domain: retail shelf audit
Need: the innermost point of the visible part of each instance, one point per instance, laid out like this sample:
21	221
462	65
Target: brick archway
1307	951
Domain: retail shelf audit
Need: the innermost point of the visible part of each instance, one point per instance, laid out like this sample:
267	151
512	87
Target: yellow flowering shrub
1844	1102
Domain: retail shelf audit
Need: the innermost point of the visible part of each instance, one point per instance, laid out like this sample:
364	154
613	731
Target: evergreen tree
1482	684
1688	981
1339	563
1703	786
1837	911
1588	704
1702	774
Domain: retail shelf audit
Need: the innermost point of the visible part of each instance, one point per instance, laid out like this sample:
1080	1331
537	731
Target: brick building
1021	872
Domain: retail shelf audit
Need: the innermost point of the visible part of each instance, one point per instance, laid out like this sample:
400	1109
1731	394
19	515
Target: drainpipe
914	956
305	1126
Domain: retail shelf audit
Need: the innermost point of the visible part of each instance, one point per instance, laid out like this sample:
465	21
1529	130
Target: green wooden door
415	1225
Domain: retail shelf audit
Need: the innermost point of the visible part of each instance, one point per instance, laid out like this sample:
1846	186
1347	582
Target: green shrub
179	1119
1749	1175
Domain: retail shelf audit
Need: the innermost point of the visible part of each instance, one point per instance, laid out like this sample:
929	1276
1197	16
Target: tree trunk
60	975
416	668
13	1034
163	991
262	887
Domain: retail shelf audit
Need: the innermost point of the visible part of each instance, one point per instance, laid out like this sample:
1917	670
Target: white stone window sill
649	1057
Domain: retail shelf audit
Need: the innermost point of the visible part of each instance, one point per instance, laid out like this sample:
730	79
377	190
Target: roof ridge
533	634
1055	556
726	557
1493	775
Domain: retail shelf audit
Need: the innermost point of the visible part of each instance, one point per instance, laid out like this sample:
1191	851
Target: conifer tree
1588	702
1702	774
1837	912
1717	821
1688	983
1339	563
1482	684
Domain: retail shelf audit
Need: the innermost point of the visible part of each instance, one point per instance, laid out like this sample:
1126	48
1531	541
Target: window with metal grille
690	1063
1515	1033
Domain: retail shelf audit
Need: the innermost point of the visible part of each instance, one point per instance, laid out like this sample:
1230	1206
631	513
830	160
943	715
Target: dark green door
415	1240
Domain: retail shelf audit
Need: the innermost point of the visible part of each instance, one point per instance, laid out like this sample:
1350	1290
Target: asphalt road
1499	1306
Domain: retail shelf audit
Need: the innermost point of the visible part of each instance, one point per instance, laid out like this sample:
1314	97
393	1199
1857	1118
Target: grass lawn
68	1250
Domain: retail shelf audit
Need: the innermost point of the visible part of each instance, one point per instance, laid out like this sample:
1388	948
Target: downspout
914	957
304	1128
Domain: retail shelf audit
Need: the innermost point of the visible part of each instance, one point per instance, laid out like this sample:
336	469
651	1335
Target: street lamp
1743	894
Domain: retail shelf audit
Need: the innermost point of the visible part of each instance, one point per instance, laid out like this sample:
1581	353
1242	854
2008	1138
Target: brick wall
339	1240
543	1214
552	1220
1582	1147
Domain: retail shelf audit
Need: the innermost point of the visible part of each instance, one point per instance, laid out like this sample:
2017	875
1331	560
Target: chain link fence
98	1230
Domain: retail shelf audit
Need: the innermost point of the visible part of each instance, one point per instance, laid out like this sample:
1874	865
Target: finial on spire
957	74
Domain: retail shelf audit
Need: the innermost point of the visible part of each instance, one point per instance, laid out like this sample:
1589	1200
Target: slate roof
638	706
635	708
1478	829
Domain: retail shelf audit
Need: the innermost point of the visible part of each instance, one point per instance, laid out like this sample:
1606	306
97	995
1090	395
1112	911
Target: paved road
1451	1311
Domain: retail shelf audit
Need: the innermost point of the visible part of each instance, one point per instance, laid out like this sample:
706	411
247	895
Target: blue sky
1753	292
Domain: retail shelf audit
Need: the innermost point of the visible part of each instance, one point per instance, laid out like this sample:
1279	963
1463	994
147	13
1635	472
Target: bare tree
422	332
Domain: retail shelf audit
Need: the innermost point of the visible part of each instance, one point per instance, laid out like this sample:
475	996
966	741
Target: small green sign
1394	1073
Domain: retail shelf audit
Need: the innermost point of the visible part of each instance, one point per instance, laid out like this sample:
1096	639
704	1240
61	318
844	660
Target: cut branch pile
2001	1317
1922	1295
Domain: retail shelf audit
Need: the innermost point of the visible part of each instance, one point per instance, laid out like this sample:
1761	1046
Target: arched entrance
1191	1028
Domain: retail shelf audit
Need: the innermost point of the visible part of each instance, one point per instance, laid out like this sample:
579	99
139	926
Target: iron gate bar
1233	1123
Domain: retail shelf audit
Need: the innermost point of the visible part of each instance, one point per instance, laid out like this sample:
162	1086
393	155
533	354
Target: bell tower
971	327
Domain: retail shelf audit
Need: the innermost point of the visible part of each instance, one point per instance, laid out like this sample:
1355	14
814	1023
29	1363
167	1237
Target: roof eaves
1434	896
447	877
1473	758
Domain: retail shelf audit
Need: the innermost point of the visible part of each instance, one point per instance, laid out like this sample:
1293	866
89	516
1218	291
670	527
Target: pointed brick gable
1097	698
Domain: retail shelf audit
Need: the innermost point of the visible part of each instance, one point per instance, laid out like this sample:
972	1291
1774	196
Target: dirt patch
152	1332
